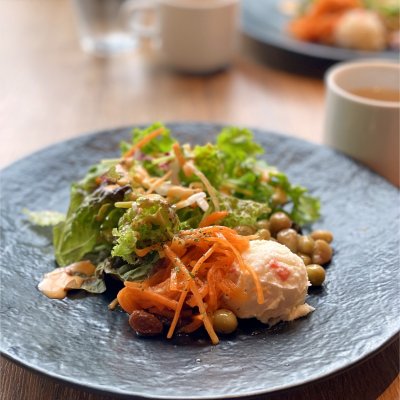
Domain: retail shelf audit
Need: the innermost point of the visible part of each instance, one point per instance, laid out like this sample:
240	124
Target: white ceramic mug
365	128
195	36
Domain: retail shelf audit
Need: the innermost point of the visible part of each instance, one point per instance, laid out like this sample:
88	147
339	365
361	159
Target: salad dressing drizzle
56	283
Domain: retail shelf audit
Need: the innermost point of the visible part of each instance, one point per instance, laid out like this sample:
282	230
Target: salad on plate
198	236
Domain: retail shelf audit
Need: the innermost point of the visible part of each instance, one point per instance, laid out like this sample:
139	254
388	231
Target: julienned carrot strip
151	296
146	250
178	154
207	229
126	301
212	293
193	288
196	323
178	310
206	320
203	258
162	275
213	218
148	138
213	239
203	291
243	265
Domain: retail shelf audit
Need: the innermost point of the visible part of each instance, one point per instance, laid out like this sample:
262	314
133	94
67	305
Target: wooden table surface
51	91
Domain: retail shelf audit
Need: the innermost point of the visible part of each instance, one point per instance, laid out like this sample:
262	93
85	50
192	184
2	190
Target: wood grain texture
51	91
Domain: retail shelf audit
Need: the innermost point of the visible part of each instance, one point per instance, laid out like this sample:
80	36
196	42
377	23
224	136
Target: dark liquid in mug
377	93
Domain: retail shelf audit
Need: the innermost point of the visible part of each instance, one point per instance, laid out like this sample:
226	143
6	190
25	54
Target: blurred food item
318	21
360	29
355	24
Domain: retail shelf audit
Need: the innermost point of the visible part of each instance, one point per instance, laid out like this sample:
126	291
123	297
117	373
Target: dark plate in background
79	341
263	21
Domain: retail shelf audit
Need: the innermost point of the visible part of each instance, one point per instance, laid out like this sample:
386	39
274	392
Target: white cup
362	127
195	36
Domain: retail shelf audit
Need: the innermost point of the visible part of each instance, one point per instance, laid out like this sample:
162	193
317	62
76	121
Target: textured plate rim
386	341
123	394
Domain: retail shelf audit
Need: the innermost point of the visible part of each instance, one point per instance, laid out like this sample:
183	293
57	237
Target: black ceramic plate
79	341
264	21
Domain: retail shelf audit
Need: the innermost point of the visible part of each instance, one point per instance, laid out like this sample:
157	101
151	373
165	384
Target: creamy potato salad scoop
283	277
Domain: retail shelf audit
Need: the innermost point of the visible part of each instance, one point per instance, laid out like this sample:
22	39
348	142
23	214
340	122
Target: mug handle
131	11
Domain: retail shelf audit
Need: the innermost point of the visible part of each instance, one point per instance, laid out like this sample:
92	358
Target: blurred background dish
267	22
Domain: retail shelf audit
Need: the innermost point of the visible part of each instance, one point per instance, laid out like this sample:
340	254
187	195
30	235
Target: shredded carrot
178	310
143	142
192	286
196	323
113	304
243	265
178	154
196	274
202	259
146	250
213	218
151	296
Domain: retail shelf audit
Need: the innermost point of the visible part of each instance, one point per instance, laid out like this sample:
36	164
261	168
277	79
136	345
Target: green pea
305	244
224	321
316	274
279	221
245	230
322	235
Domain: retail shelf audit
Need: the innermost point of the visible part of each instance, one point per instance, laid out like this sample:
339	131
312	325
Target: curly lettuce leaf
89	221
242	212
231	165
149	221
302	208
236	146
140	268
161	144
208	159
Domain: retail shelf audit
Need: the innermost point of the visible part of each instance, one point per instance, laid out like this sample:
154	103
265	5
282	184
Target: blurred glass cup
363	114
195	36
107	27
